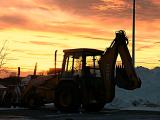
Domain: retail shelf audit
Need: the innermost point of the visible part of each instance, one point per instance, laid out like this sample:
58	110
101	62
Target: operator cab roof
83	51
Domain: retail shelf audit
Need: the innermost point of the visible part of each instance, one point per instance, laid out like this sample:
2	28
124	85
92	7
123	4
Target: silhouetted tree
3	54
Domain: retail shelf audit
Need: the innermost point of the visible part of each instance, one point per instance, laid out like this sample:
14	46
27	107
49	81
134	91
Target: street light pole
133	34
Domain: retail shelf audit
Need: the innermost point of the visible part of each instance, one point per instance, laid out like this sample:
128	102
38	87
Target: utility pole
133	33
35	69
19	73
55	61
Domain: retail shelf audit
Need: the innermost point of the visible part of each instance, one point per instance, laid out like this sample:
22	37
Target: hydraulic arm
123	76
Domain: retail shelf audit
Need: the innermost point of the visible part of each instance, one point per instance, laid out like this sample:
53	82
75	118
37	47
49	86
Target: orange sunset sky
34	29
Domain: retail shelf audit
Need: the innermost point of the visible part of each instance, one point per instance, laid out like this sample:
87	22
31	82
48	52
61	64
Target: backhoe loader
89	76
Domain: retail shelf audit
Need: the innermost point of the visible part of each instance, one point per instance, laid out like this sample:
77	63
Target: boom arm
125	76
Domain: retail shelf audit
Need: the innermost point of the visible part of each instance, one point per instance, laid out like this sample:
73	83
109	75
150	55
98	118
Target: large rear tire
67	97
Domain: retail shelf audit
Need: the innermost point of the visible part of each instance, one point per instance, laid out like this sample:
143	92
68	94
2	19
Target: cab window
92	63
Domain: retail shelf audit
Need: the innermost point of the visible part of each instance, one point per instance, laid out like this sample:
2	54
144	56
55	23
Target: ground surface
52	114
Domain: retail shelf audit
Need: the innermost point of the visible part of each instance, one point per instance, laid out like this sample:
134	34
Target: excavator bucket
122	79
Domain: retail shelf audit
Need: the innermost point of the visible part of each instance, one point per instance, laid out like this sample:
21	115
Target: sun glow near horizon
34	30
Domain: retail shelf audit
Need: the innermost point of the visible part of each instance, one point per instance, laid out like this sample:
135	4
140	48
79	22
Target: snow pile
146	96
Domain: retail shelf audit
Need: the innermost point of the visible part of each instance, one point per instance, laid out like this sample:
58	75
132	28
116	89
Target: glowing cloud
35	28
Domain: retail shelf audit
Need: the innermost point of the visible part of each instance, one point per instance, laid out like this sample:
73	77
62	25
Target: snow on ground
12	108
146	97
142	108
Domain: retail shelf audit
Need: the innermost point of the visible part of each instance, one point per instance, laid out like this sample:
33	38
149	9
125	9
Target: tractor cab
80	82
81	62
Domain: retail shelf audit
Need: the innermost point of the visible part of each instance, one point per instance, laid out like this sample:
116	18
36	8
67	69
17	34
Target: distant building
52	70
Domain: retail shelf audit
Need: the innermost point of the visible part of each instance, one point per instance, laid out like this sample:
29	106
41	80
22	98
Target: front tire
32	101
